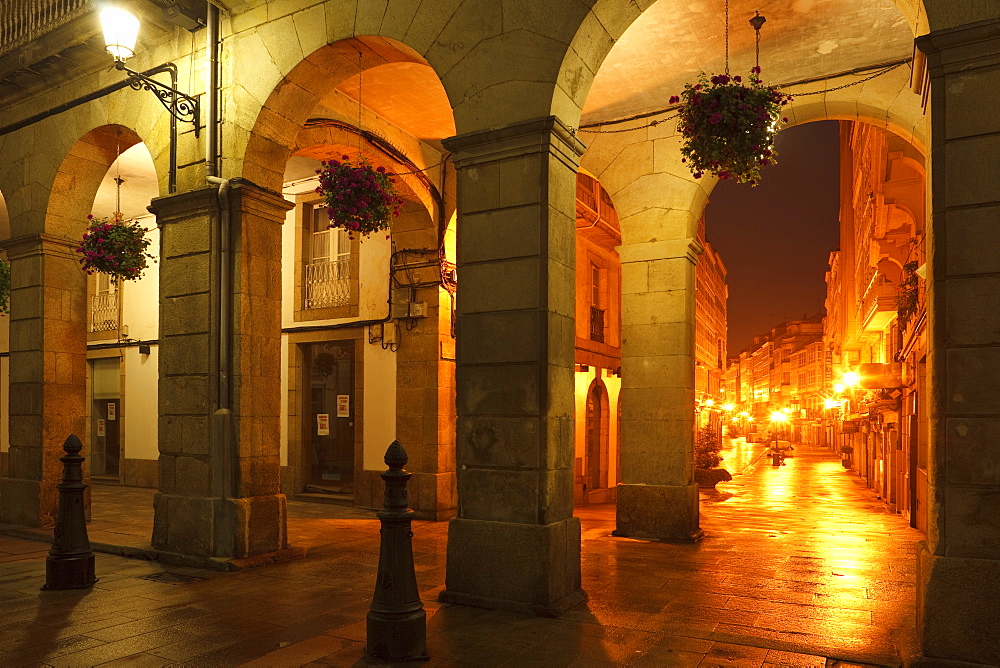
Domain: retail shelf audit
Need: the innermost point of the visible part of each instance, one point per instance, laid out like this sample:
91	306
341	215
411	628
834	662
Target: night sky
775	239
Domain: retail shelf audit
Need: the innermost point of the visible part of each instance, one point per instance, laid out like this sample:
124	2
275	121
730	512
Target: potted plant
846	450
728	126
359	198
906	300
115	246
706	459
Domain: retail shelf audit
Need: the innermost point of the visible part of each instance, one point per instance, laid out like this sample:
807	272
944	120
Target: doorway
596	463
106	417
328	418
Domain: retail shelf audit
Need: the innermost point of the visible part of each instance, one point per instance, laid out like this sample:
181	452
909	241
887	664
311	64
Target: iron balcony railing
22	21
104	312
328	284
596	324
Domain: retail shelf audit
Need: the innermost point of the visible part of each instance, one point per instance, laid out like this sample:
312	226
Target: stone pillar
48	373
657	495
515	543
425	390
219	472
959	565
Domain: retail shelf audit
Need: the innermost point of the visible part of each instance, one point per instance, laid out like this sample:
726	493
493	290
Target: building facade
711	330
877	329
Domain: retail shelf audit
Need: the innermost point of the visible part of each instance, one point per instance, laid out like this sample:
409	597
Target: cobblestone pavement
801	566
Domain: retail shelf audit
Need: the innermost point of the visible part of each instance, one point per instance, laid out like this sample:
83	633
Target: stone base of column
220	528
533	568
28	503
958	616
433	496
667	513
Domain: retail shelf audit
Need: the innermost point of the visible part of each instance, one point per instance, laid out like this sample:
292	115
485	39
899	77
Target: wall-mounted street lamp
120	32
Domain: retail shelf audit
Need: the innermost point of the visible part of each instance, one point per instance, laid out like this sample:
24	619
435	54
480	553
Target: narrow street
800	566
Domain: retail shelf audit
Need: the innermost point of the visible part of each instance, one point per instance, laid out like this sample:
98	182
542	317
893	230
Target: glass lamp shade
120	32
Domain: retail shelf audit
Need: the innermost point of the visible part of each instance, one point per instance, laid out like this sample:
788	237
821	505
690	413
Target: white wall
141	405
380	404
141	299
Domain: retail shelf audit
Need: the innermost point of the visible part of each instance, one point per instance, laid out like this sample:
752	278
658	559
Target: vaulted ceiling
674	40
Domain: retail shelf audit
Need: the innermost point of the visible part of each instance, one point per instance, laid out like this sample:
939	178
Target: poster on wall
100	427
343	405
322	424
112	409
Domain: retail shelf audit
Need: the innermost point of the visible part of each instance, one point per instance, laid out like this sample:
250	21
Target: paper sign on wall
112	409
322	424
100	427
343	405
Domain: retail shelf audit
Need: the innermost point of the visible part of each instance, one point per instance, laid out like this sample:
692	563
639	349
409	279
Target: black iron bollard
397	623
70	564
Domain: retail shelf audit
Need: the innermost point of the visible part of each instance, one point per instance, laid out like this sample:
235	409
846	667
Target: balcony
42	39
327	284
597	324
596	218
878	307
22	21
104	312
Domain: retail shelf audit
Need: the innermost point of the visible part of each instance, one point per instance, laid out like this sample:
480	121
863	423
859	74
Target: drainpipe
223	477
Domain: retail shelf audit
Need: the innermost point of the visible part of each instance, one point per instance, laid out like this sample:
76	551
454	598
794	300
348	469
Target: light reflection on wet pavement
799	563
801	558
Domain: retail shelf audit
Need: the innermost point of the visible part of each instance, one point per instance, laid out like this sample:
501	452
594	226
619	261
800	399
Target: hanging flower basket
729	126
116	247
4	287
359	198
909	295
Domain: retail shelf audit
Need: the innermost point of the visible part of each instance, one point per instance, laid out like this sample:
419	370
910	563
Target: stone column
515	543
48	373
959	565
425	390
657	495
219	470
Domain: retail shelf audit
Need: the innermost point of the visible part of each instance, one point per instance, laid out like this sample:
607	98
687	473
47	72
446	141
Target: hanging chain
886	70
118	177
727	37
757	21
592	129
756	53
361	70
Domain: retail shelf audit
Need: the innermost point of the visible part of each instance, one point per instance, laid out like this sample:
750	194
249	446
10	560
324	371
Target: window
595	285
104	304
328	268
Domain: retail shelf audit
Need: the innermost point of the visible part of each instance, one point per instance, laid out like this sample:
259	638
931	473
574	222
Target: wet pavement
801	566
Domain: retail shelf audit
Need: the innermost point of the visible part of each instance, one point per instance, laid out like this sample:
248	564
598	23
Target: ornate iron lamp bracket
184	108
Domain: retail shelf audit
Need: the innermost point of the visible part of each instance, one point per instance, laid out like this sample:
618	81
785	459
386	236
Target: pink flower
715	118
674	99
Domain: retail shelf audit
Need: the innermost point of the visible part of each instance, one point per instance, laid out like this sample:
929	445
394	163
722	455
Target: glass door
329	416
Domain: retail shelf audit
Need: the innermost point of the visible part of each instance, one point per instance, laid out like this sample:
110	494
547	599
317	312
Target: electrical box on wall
400	305
418	309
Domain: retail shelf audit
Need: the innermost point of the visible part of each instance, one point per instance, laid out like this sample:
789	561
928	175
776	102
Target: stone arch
323	143
288	106
80	175
597	458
